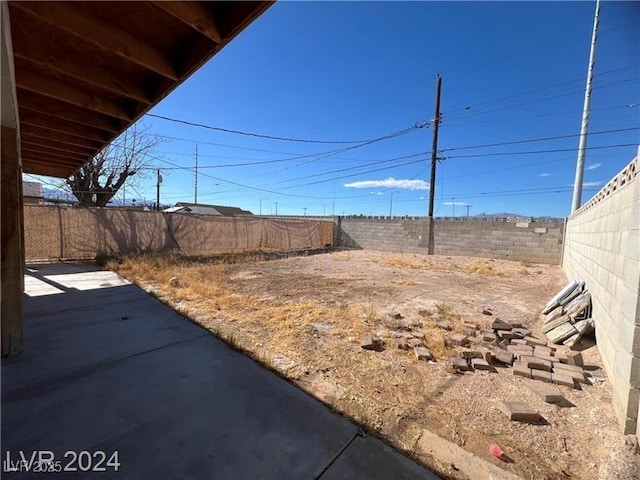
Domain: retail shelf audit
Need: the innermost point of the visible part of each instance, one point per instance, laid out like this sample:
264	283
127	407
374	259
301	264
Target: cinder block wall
521	241
602	247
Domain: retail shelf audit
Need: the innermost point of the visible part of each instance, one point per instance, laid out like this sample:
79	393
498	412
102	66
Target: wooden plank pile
568	314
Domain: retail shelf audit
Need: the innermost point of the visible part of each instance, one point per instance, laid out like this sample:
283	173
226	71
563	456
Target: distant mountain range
514	215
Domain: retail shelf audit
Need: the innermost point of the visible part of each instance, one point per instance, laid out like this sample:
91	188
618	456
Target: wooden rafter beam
42	104
40	142
54	144
57	60
31	131
33	158
45	152
65	16
197	15
40	167
29	118
54	88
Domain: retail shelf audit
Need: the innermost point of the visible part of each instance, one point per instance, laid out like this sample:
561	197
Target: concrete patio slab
110	368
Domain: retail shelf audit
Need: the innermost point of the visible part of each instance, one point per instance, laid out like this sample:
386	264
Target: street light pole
261	204
584	128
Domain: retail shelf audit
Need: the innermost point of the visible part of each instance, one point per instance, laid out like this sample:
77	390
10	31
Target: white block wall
602	247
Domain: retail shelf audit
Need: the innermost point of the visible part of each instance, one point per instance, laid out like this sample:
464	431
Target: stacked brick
509	344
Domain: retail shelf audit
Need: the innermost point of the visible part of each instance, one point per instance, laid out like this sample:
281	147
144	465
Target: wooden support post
11	269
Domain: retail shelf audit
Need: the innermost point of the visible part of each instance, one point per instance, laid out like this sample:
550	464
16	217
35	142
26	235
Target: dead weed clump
483	268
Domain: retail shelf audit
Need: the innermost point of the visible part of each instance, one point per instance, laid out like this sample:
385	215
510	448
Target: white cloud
592	184
593	166
454	203
390	183
422	198
544	175
376	193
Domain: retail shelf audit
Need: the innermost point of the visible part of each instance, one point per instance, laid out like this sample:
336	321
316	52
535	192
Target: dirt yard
305	316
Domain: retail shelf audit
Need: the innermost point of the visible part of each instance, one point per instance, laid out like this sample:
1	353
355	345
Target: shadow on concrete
109	368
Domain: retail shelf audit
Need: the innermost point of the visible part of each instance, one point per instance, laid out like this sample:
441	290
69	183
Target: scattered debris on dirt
305	317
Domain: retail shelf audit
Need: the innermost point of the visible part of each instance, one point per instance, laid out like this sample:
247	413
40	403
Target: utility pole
468	207
391	204
434	159
261	204
276	208
434	145
195	192
158	182
453	206
305	211
577	185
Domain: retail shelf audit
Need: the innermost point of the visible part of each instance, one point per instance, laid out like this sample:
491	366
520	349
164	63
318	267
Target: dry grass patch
483	268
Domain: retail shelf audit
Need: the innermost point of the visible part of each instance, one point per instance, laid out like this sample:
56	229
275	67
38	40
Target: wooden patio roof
85	71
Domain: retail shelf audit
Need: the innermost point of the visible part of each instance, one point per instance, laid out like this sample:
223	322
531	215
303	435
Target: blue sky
354	71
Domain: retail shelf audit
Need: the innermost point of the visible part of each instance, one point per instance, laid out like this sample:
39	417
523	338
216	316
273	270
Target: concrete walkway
109	368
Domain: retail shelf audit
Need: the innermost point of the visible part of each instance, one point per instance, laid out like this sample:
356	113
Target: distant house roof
32	189
203	209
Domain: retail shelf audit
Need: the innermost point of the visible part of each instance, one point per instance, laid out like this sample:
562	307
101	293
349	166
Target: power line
534	140
532	191
351	175
531	102
237	147
313	156
540	151
537	90
348	169
380	139
250	187
456	122
258	135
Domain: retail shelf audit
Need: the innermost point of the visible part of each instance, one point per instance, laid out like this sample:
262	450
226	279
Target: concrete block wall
521	241
602	247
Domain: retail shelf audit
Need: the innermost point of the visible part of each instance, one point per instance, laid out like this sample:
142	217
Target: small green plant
525	272
427	312
525	263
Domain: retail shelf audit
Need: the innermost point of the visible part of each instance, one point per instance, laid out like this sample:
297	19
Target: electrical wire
534	140
532	102
537	90
258	135
348	169
496	154
253	188
457	123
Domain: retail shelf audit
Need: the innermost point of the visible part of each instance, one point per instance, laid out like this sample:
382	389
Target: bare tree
97	182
